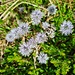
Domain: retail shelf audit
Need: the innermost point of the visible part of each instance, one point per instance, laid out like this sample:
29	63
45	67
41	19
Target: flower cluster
41	38
24	28
66	28
49	29
42	58
52	9
27	48
18	32
32	42
45	25
36	17
10	37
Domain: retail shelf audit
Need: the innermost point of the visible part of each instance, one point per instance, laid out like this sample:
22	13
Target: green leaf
1	71
74	68
57	71
1	21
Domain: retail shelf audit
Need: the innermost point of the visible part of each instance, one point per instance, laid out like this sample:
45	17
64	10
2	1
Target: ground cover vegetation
37	37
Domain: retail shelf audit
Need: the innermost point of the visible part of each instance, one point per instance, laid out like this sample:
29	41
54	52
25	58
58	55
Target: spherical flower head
66	28
32	43
36	17
41	38
10	37
52	9
24	28
43	58
45	25
21	9
25	49
16	31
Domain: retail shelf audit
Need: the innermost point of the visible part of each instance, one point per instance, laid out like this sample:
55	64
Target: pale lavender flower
21	9
66	28
36	17
52	9
41	38
43	58
25	49
17	33
45	25
10	37
32	42
24	28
